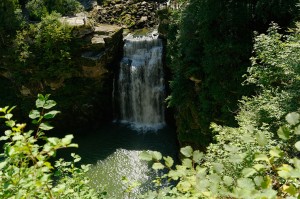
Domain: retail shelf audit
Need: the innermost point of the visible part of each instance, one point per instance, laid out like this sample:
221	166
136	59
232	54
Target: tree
210	54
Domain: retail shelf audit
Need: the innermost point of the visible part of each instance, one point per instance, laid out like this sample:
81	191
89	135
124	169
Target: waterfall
141	83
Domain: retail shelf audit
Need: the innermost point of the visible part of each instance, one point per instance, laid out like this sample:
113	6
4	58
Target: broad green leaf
156	155
2	164
144	155
292	118
183	186
245	183
218	167
10	123
202	185
187	151
49	104
258	180
227	180
17	137
235	158
291	189
248	138
247	172
284	133
296	162
77	158
8	132
267	183
197	156
53	140
47	147
187	162
268	194
174	174
157	166
295	173
3	110
297	145
261	138
45	126
8	116
34	114
284	171
48	165
39	103
276	152
259	167
230	148
214	178
73	145
169	161
67	139
4	138
262	157
297	130
51	114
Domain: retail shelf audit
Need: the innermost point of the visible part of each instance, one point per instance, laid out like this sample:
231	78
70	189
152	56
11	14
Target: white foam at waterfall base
142	127
141	83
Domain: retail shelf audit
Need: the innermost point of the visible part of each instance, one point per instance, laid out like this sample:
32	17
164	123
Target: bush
27	168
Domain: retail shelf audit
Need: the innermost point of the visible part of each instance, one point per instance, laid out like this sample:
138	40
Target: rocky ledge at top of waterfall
131	14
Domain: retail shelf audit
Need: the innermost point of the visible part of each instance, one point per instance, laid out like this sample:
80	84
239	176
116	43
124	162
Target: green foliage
209	45
40	8
260	158
275	71
9	17
37	9
43	49
27	166
270	174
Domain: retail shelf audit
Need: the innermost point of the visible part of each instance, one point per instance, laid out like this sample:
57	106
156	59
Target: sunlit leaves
27	155
261	138
34	114
276	152
261	157
297	145
197	156
45	126
227	180
157	166
247	172
50	114
144	155
187	151
156	155
169	161
292	118
284	133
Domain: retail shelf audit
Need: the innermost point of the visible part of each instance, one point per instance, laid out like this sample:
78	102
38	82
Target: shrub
27	168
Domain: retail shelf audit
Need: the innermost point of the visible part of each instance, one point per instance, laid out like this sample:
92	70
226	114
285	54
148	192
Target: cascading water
141	83
139	92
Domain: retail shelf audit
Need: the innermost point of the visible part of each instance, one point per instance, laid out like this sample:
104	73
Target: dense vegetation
260	158
33	52
209	46
247	107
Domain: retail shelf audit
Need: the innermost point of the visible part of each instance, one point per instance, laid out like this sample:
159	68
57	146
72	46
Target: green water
113	152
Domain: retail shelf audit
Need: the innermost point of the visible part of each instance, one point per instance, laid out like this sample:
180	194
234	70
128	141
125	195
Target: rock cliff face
128	13
84	96
88	93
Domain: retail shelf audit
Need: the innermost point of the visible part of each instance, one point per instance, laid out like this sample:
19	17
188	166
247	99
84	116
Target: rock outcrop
128	13
87	94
